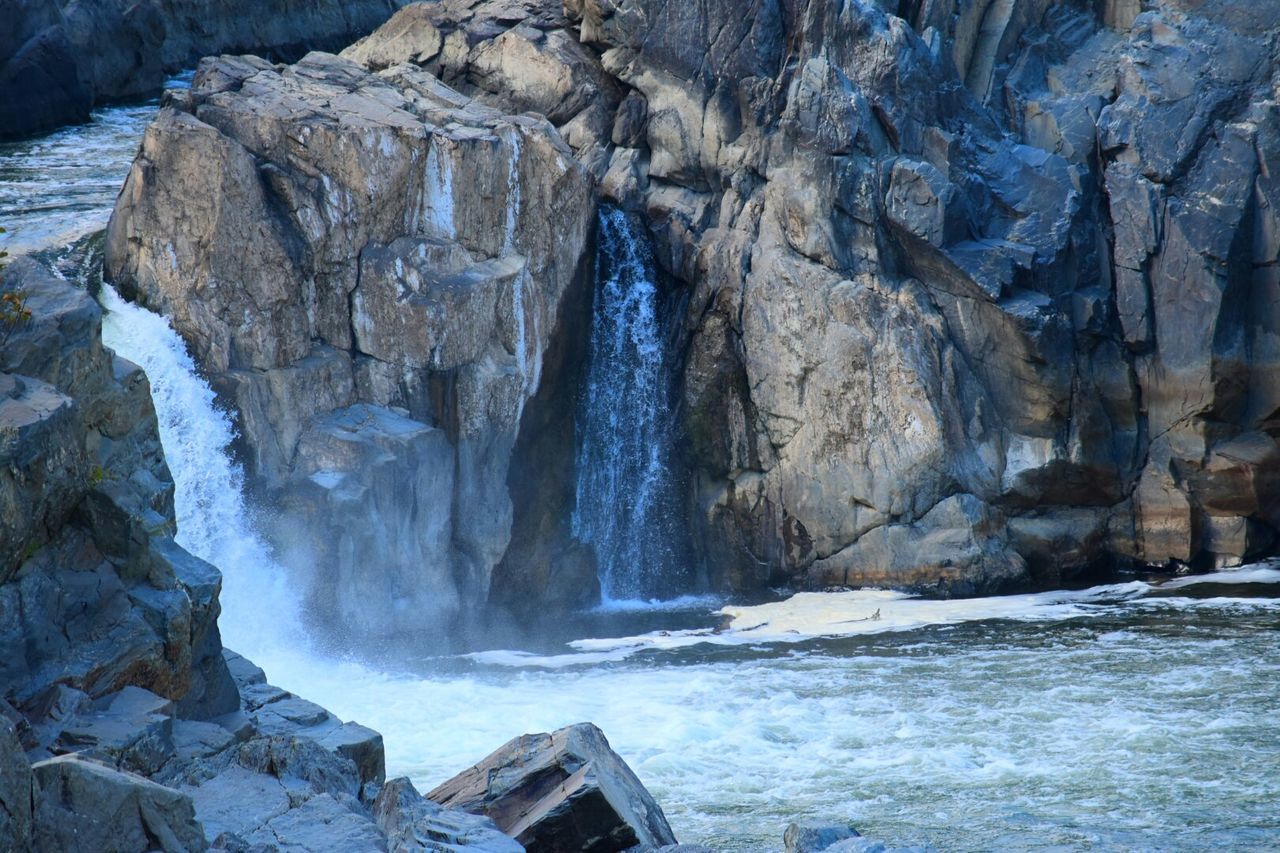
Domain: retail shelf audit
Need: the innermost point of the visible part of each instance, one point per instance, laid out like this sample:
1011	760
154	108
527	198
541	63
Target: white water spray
260	613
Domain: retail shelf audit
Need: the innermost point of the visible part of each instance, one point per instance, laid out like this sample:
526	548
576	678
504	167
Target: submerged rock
561	791
812	837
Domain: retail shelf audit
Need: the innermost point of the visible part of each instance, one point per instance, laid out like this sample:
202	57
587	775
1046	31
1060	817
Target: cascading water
1130	717
260	614
625	494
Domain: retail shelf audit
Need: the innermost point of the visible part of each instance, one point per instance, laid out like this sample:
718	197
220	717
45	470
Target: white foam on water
657	605
977	744
808	615
260	612
1244	574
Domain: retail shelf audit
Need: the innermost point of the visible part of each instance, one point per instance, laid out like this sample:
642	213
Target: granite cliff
970	296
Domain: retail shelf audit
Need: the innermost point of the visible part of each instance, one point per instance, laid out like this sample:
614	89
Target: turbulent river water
1137	716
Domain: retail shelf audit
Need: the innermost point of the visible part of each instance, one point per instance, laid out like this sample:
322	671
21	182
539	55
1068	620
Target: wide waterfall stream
1132	716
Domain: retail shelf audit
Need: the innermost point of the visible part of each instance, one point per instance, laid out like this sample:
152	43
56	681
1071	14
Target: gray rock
562	791
83	805
131	730
413	823
393	359
813	837
15	791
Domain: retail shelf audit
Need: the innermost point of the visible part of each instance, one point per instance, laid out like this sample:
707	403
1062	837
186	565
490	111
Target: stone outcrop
124	724
371	267
561	791
974	296
981	294
60	58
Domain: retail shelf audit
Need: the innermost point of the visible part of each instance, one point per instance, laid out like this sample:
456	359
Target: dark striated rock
15	791
62	58
412	822
83	805
561	791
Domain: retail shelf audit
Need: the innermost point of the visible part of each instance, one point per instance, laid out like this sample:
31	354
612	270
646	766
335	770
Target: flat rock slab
565	791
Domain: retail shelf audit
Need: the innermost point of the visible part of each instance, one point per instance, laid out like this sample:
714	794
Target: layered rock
977	293
124	724
561	791
371	267
59	59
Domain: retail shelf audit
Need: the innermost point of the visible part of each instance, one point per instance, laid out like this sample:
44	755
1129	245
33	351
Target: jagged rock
561	791
413	823
60	59
83	805
15	791
998	254
131	730
812	837
391	361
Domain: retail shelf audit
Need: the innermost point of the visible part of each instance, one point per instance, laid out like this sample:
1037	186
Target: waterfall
625	505
260	614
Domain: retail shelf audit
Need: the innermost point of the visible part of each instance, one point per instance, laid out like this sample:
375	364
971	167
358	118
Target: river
1137	716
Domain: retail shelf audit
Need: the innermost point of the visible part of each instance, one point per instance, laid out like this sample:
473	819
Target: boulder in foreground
564	791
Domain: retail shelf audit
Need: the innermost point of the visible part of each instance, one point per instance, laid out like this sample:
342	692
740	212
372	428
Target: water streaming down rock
260	613
625	494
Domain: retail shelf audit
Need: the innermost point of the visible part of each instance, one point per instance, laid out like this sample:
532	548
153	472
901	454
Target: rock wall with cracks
992	284
371	267
980	295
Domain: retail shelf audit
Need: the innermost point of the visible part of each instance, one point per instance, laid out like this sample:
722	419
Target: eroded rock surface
372	267
561	791
981	295
976	295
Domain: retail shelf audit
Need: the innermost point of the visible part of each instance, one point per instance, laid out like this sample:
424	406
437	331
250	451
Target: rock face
560	792
974	296
59	58
981	294
124	724
371	266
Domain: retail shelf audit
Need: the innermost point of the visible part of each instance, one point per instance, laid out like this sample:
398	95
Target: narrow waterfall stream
625	496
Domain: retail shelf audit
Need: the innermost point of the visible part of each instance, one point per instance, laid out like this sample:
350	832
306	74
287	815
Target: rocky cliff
372	267
61	58
977	295
124	723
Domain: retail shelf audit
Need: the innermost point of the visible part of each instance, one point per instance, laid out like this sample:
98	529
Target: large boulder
563	791
83	805
372	274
